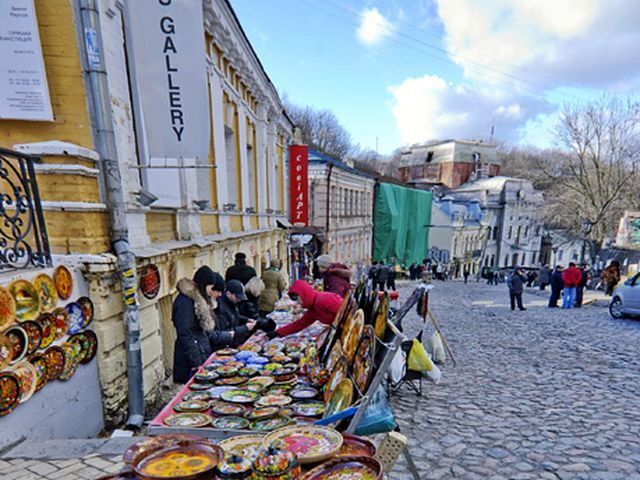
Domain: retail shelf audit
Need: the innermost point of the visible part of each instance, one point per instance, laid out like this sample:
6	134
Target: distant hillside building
629	230
448	164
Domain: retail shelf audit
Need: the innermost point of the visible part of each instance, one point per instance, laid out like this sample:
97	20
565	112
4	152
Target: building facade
448	164
203	212
341	208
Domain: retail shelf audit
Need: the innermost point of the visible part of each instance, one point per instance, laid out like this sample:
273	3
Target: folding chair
412	378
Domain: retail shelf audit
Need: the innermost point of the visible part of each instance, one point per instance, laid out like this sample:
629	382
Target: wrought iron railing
23	234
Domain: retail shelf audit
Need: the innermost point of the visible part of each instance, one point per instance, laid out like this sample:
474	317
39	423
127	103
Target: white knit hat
324	261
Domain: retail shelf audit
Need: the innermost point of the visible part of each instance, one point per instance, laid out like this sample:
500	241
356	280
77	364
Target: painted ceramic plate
263	381
249	371
247	446
230	423
308	409
194	420
191	461
362	364
350	339
27	299
354	445
7	309
41	365
339	372
49	332
60	322
83	342
191	406
55	357
311	443
262	412
199	387
237	380
71	360
305	392
9	392
76	317
225	408
380	325
6	351
63	282
239	396
251	347
150	281
93	346
87	310
47	291
225	352
216	392
139	450
204	396
352	467
28	376
34	334
341	398
287	380
227	370
335	355
270	424
274	400
19	341
205	376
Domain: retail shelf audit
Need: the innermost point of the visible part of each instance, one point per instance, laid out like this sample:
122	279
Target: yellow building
231	201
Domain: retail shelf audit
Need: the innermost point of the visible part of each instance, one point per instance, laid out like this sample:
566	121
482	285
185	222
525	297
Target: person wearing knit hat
240	270
336	277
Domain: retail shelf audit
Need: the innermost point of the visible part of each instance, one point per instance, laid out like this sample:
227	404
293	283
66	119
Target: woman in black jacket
195	321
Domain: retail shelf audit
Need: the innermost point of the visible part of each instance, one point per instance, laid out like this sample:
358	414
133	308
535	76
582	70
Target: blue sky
409	71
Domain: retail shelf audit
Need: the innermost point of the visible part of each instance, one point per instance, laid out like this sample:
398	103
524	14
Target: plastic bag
436	348
420	361
378	417
398	367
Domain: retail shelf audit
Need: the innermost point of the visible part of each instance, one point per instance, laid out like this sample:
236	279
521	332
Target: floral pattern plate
226	408
304	392
28	376
19	342
362	364
205	396
60	322
87	310
76	317
263	381
71	360
216	392
341	397
82	340
230	423
239	396
6	351
380	326
93	346
34	334
47	291
194	420
191	406
339	372
352	468
63	281
308	409
39	361
311	443
9	392
270	424
350	338
262	412
27	299
237	380
49	332
274	400
243	445
7	309
55	357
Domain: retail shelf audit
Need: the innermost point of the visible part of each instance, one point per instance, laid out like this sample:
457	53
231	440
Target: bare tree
320	129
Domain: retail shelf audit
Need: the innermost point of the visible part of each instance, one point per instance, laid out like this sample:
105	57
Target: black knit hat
205	276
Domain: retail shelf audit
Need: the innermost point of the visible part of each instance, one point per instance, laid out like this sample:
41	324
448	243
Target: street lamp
586	229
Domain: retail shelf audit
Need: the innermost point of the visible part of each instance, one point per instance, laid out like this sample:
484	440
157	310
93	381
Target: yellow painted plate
7	309
47	291
350	338
63	281
27	299
341	398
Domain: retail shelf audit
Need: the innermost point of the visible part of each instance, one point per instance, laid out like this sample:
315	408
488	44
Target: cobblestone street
536	394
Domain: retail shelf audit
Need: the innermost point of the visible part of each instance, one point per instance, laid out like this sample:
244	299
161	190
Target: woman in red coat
321	306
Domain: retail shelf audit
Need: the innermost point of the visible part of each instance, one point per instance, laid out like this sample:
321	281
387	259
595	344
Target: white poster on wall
24	94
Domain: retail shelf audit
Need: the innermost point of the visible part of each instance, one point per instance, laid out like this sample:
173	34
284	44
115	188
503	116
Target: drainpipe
106	146
328	205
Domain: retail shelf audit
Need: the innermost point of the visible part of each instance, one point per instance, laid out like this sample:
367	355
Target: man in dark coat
545	277
556	287
336	277
391	277
229	318
240	270
194	320
584	280
381	277
516	286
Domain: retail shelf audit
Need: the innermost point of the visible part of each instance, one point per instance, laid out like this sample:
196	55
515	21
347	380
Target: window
495	233
510	232
429	157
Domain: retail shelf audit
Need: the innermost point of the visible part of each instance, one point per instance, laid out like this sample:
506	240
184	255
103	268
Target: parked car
625	300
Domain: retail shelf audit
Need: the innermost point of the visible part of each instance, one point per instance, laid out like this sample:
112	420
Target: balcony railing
23	235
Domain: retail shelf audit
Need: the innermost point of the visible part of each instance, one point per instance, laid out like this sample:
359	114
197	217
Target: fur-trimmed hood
204	311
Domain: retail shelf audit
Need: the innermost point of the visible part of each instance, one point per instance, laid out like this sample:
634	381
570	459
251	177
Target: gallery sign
299	185
167	58
24	93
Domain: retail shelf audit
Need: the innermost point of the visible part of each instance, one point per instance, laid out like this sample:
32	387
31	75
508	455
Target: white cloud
373	28
429	108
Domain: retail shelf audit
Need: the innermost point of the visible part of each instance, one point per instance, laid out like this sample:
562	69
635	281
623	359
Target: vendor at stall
194	319
336	277
232	328
321	306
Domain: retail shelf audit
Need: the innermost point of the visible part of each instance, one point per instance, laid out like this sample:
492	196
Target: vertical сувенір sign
299	183
24	93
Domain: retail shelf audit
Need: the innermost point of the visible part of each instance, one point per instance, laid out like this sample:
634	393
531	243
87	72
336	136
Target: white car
625	300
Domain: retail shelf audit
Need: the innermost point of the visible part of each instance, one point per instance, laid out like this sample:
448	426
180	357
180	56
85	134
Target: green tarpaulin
402	218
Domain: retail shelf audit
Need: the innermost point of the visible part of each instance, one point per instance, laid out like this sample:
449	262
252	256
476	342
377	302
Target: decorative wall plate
188	462
339	372
87	310
7	309
150	281
311	443
225	408
262	412
248	371
60	322
354	445
19	342
352	467
143	448
199	387
230	423
71	360
216	392
308	409
341	397
205	396
225	352
194	420
205	376
28	376
6	351
381	316
47	291
34	334
49	332
350	338
274	400
247	446
335	355
55	361
263	381
9	392
363	360
270	424
93	346
237	380
39	361
251	347
76	317
63	281
191	406
239	396
27	299
304	392
83	342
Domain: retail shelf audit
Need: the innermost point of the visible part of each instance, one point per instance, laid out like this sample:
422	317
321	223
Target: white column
219	149
244	163
274	172
263	172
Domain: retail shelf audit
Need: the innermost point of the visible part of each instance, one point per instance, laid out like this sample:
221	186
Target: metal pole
106	146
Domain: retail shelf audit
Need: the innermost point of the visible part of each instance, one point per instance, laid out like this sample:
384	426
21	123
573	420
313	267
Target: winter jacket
321	306
611	275
194	319
229	320
337	279
249	307
571	277
275	283
584	279
556	280
516	282
240	271
545	275
382	274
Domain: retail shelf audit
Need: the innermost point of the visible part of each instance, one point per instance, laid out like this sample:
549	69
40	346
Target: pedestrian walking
465	274
570	278
545	277
531	278
381	277
391	278
515	282
610	277
412	271
584	281
240	270
556	286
